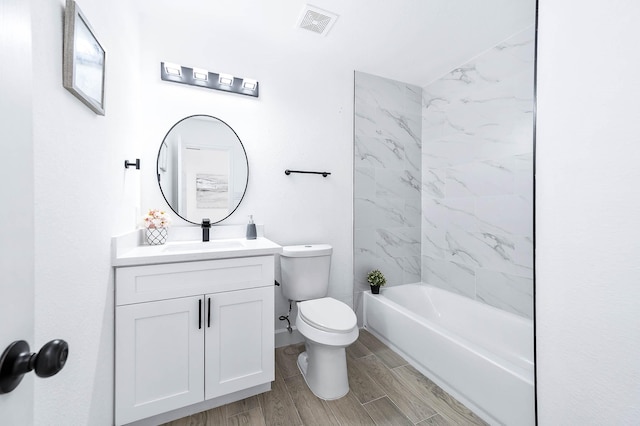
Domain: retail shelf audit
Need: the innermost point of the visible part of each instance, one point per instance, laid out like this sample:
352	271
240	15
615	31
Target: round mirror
202	169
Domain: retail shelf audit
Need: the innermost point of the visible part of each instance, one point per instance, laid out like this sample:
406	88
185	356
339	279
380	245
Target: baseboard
284	338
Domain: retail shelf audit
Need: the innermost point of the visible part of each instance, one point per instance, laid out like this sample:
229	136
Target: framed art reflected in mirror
83	59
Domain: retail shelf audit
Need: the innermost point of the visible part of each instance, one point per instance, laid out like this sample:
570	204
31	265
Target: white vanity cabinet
191	332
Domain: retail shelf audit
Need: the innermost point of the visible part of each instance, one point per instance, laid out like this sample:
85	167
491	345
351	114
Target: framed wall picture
83	60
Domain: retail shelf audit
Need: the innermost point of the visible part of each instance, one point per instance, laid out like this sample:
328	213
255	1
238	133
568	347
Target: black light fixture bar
210	80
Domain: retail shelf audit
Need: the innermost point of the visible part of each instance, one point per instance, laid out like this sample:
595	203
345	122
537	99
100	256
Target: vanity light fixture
249	84
203	78
200	74
172	69
225	79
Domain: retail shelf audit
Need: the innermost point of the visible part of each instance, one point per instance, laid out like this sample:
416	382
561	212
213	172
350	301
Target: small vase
156	236
375	289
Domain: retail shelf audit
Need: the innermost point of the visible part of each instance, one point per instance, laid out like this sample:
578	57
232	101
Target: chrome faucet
206	225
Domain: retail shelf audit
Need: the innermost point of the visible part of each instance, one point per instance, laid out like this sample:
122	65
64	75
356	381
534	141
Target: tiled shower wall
387	188
477	178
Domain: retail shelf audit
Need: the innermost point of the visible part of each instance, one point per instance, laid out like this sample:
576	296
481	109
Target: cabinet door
239	340
159	357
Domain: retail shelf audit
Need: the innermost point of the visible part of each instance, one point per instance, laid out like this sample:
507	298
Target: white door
16	195
239	340
159	357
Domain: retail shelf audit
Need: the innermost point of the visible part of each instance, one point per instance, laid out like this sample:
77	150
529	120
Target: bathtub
480	355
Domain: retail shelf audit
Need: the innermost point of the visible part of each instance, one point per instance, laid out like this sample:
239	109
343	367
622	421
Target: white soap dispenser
251	229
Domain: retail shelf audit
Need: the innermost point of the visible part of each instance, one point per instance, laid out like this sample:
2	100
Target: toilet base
324	370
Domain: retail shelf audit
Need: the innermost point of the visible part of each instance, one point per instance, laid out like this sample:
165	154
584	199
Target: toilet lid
327	314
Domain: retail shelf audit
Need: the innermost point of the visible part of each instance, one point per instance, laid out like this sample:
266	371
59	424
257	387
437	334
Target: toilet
327	325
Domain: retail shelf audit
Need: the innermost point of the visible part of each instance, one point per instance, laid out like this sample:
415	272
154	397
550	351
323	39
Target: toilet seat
327	314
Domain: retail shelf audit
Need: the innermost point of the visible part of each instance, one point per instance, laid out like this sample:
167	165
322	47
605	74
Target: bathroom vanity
194	326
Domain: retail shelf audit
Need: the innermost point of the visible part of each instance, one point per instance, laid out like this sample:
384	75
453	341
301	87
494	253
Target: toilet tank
305	271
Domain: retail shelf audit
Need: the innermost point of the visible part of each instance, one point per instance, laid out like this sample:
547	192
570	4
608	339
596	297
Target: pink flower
156	219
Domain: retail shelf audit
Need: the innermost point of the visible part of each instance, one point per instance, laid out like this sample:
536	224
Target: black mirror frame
246	159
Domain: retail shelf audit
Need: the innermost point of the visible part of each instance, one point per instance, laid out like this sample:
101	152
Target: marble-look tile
434	272
412	269
462	278
399	242
508	58
483	178
379	213
413	212
365	262
490	250
465	248
507	292
477	168
433	182
364	182
523	168
511	214
503	252
398	183
475	172
455	277
377	151
374	90
460	149
388	192
434	221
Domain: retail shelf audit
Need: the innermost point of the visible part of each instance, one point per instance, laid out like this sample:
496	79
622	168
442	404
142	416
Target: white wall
83	196
587	214
302	120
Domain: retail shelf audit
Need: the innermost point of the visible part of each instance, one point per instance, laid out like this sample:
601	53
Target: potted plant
156	223
376	279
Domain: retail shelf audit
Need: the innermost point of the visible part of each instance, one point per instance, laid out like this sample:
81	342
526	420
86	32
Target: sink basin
204	246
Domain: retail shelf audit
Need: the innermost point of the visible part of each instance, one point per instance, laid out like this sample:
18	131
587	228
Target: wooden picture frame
83	60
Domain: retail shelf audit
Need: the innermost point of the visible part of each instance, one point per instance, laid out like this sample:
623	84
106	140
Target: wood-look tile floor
384	390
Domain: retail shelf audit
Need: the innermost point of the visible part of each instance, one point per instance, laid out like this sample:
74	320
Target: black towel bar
324	174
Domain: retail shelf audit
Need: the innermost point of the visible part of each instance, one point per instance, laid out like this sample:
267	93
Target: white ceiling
415	41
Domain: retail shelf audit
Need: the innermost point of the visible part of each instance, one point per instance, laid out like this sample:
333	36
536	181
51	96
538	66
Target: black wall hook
127	164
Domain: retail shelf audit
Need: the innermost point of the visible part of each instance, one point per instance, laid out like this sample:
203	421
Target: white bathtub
479	354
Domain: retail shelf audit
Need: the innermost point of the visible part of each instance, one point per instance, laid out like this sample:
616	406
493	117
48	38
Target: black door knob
17	360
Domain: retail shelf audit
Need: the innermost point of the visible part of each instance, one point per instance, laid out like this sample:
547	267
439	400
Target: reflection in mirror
202	169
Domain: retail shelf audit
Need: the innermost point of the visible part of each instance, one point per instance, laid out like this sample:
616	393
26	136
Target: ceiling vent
316	20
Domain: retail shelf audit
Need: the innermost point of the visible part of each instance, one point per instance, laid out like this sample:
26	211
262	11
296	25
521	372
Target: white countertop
130	250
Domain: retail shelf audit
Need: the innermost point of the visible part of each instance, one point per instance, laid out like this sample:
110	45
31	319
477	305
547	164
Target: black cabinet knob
17	360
